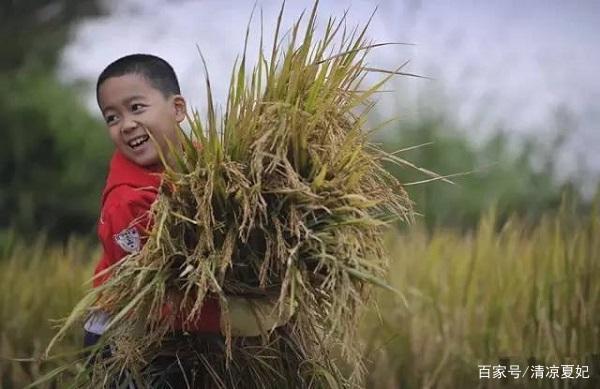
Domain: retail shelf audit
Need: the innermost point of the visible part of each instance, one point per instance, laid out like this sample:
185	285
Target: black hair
155	69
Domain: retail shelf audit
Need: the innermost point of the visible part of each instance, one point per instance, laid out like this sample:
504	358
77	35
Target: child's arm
123	229
123	224
248	317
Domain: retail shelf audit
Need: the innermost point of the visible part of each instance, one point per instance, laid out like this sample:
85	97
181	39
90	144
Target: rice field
39	283
514	295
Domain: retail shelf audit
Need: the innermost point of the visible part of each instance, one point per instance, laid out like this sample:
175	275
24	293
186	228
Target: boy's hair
155	69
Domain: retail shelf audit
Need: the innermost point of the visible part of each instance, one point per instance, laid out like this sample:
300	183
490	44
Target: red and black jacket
125	221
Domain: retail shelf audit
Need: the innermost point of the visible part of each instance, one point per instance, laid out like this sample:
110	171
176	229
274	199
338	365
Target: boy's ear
180	108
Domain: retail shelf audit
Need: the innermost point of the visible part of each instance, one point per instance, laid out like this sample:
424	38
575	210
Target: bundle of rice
286	199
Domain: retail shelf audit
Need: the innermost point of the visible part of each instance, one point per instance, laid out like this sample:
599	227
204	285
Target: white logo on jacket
128	240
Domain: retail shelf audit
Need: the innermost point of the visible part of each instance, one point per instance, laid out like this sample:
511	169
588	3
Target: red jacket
124	223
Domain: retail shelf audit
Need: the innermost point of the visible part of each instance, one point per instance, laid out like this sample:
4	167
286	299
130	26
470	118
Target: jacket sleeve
124	223
124	229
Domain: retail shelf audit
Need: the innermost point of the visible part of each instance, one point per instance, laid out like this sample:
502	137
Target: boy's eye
110	118
135	107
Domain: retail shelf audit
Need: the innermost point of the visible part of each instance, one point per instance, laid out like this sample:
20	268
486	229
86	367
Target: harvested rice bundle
286	199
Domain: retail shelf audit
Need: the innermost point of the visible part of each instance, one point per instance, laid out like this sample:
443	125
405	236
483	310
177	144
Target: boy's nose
128	126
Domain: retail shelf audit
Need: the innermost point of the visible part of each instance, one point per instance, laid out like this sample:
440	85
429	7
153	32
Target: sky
514	65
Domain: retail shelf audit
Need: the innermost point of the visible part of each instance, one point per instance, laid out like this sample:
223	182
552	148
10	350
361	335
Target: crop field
515	299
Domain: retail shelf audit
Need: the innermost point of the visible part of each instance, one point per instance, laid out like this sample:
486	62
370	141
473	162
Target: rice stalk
285	199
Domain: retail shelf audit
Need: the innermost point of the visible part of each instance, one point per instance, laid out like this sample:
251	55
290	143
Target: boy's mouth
138	141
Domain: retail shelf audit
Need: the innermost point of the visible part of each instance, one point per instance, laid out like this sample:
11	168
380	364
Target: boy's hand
248	317
254	317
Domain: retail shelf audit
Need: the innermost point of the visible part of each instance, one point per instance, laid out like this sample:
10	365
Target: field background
501	268
515	293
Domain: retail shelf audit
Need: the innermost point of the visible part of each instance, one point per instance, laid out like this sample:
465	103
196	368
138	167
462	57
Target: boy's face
132	107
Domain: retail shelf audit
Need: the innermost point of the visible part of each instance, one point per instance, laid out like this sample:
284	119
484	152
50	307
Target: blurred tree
513	176
33	32
53	154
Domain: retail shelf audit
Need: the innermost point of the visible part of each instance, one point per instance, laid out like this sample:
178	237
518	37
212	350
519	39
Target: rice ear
286	199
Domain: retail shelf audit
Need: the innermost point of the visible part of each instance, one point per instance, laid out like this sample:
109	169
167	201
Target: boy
139	94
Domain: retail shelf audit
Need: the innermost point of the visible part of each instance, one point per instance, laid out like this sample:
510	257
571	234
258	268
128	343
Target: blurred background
510	97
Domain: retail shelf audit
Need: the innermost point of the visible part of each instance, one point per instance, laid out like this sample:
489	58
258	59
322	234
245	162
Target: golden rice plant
285	199
514	294
518	293
39	281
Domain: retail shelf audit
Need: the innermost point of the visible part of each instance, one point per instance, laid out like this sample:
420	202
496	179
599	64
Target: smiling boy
134	103
139	95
